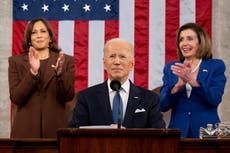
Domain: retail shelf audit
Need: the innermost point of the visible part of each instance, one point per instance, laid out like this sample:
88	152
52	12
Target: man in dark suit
141	107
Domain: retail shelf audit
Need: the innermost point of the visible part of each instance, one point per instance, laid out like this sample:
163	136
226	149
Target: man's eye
112	56
122	57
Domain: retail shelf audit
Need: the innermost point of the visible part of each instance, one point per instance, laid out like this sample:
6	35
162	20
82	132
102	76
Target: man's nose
117	60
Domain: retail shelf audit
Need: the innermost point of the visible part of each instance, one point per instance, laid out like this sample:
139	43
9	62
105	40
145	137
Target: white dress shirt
124	93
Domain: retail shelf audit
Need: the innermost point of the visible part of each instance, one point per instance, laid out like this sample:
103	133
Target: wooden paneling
118	140
115	141
204	146
28	146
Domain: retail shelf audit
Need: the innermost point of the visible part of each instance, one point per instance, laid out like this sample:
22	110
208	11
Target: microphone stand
119	111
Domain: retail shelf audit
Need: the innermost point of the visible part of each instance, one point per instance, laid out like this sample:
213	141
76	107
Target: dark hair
27	37
204	48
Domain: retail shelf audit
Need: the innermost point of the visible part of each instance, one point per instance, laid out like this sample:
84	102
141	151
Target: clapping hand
34	61
182	70
59	63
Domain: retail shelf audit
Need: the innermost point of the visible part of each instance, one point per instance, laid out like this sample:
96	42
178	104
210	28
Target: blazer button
189	113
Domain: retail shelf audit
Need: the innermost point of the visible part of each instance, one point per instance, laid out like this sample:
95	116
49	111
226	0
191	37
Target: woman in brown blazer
41	82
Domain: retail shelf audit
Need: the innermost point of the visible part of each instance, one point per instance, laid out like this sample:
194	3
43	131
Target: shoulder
69	57
18	57
92	89
215	63
214	60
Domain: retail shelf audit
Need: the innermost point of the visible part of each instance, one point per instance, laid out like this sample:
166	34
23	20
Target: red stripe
141	47
18	36
172	24
204	15
54	25
111	31
81	38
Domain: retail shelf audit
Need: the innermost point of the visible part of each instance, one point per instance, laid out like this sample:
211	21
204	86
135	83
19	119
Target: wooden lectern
73	140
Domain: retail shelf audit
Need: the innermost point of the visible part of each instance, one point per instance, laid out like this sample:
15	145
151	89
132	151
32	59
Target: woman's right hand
34	61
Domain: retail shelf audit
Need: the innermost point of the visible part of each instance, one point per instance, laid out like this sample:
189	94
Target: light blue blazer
189	114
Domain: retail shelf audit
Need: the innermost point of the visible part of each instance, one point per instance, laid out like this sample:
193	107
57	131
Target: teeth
186	49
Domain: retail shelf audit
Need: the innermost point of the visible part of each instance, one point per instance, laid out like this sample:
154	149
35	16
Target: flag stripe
95	69
111	31
66	30
81	54
187	11
55	25
141	43
172	23
204	15
156	42
126	23
18	35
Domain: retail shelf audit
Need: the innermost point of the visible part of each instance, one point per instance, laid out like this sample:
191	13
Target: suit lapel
26	63
103	98
49	72
133	102
203	71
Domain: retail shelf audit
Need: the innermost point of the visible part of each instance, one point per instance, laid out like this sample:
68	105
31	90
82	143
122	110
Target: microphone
115	85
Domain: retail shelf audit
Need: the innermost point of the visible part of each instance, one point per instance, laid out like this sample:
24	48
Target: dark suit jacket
41	108
93	108
189	114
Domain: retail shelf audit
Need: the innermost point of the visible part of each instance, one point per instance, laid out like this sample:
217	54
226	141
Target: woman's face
188	43
40	38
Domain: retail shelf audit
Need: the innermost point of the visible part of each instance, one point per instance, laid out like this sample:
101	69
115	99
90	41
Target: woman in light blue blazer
194	86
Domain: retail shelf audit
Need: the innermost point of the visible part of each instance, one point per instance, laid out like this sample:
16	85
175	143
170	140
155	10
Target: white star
24	7
65	7
86	7
45	7
107	8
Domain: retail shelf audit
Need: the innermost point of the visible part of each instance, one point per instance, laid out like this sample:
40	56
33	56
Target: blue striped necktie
117	112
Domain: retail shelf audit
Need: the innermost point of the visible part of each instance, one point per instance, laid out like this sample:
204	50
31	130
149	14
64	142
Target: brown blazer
41	110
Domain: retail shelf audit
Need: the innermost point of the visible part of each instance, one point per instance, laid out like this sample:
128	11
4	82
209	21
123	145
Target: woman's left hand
59	64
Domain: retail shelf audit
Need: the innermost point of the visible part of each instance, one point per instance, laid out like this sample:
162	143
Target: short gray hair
119	40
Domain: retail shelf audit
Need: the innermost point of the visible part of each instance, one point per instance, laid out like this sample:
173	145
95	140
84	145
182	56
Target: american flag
83	26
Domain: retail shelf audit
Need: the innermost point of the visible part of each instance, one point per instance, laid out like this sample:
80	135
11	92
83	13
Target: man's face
118	60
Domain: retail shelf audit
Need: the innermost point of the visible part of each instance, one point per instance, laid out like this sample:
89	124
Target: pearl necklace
196	66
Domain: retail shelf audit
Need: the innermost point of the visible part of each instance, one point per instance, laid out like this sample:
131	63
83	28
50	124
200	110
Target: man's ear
133	62
104	64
